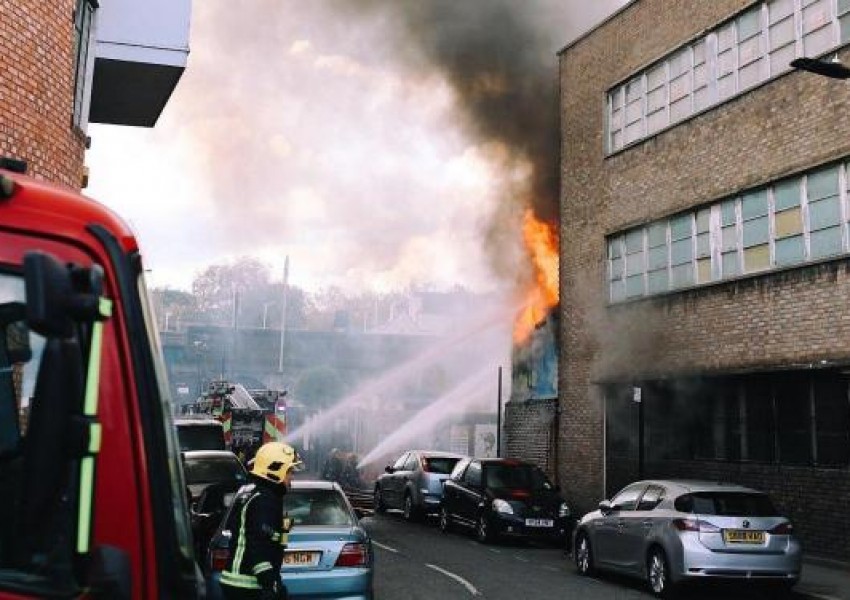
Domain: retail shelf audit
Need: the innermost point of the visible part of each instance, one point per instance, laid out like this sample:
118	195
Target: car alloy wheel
409	512
445	520
584	555
658	574
379	500
482	530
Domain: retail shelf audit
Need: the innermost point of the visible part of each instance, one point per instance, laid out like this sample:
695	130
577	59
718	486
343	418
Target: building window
787	418
832	421
83	17
791	222
759	43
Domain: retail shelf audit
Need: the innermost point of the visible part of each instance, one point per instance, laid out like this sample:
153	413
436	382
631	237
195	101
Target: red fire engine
93	496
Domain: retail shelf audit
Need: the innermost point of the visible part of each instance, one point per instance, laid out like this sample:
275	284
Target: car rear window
726	504
522	477
440	465
317	507
207	470
200	437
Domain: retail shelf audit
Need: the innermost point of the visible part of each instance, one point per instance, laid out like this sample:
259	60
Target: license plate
539	523
743	536
301	559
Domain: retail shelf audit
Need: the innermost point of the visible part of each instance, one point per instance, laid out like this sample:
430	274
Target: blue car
329	554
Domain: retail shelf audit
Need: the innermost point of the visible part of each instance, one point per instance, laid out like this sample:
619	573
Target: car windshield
205	470
727	504
321	507
441	465
525	477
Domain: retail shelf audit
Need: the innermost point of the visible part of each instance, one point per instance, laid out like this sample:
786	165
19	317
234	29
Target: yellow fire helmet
274	460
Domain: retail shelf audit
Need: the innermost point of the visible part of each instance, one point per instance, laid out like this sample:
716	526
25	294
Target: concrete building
65	63
705	278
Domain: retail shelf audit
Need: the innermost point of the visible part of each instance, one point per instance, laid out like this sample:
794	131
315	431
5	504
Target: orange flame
541	243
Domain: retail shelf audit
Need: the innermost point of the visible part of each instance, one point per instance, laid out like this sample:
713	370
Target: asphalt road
416	561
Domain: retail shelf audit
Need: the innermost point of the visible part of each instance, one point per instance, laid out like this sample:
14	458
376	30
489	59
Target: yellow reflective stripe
240	544
260	567
93	375
84	514
239	580
95	432
90	401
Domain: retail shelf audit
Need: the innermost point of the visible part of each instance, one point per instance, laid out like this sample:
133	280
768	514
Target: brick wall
797	316
36	89
529	429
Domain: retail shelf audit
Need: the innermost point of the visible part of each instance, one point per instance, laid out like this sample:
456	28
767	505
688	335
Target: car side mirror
605	507
389	469
359	513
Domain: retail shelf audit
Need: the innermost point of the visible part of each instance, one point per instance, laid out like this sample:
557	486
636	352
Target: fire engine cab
92	495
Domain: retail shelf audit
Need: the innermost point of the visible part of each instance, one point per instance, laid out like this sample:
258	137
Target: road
416	561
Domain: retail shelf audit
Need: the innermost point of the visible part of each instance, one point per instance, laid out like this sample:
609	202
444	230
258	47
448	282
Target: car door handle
647	523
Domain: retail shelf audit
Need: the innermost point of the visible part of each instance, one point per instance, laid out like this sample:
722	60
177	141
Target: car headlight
503	507
564	510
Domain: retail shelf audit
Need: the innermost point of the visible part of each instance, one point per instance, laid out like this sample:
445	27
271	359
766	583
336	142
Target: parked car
203	468
199	433
211	475
504	497
414	483
329	555
672	532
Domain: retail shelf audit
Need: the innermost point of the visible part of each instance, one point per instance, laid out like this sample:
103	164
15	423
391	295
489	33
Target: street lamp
834	69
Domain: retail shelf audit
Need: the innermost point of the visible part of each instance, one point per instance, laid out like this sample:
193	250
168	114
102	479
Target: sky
358	137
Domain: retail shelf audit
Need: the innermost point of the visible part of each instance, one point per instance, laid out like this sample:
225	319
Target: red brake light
218	559
353	555
783	529
695	525
520	494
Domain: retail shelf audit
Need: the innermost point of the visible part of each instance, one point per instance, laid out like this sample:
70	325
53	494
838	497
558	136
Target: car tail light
353	555
695	525
783	529
218	559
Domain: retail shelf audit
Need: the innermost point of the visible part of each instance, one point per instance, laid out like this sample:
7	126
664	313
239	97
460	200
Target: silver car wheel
657	573
583	555
445	520
482	530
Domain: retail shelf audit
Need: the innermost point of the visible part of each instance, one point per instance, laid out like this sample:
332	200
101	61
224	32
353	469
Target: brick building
64	63
705	255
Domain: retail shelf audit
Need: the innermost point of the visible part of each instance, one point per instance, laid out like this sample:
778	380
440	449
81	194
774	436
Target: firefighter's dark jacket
258	539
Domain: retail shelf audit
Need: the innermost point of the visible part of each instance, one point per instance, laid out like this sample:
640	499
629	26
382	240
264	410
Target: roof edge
600	24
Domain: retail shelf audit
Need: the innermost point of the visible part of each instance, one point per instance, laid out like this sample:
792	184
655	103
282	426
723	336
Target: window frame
766	56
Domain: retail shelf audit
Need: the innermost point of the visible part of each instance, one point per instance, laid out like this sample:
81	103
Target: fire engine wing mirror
48	290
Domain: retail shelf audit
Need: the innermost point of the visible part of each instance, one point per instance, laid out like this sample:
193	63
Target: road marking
383	547
494	550
521	559
458	578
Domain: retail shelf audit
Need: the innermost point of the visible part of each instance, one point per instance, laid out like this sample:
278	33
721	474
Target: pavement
824	580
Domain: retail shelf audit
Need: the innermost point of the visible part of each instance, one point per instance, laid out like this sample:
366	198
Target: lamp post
833	69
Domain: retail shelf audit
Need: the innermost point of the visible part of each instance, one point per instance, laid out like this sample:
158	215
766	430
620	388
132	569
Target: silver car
414	483
670	532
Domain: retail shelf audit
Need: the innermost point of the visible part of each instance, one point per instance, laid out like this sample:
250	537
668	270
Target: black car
504	497
211	476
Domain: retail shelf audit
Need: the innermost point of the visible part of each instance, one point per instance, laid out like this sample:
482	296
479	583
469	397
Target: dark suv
504	497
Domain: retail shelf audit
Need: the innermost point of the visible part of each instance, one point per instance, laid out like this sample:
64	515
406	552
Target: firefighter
259	527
